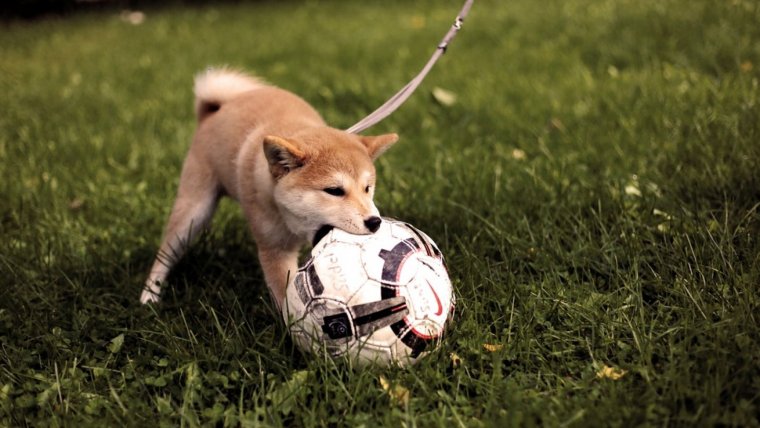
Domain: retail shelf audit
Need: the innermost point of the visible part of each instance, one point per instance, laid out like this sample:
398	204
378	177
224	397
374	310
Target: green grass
595	189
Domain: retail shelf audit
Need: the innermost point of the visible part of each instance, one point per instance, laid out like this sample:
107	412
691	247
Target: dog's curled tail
216	86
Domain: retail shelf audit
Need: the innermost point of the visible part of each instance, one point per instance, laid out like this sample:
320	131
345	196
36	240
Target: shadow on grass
81	329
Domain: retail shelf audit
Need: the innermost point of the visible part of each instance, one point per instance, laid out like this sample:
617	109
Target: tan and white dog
291	173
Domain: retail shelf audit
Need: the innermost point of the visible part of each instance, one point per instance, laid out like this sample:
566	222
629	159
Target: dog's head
326	177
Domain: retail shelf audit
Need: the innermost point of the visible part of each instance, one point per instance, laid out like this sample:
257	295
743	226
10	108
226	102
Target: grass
595	189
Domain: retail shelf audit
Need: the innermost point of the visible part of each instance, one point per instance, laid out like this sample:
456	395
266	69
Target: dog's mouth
321	233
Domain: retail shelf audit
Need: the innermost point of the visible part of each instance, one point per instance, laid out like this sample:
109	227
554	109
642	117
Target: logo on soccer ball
417	337
337	326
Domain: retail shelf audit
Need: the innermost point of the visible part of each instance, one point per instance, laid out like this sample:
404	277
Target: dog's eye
335	191
366	189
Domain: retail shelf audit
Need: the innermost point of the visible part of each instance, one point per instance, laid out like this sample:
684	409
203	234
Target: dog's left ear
377	145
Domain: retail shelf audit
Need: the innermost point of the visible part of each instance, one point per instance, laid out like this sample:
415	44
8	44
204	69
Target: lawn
595	187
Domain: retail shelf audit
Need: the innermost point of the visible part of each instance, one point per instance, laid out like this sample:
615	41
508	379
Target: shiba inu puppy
291	173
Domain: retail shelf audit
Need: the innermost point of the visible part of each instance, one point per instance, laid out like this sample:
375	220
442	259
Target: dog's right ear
283	155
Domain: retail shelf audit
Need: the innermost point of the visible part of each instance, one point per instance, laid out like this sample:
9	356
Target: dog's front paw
151	293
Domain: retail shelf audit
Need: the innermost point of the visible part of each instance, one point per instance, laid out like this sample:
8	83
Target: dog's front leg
279	268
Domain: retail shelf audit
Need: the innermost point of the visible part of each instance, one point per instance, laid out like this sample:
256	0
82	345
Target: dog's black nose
373	223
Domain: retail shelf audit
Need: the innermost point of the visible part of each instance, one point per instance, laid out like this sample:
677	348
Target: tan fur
272	152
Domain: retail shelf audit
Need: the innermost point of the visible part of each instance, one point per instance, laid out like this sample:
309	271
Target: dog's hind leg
197	199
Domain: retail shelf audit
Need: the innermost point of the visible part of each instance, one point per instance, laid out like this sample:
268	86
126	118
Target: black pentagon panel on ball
301	289
314	282
422	242
412	340
393	260
308	286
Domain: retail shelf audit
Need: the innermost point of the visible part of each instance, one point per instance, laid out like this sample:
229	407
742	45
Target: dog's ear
283	155
377	145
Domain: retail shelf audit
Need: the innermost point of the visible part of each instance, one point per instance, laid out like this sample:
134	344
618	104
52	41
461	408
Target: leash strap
395	101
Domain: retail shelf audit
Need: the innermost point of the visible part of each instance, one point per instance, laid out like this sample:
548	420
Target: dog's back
262	104
234	109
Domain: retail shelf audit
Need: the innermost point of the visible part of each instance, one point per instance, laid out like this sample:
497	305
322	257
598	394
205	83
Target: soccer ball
383	298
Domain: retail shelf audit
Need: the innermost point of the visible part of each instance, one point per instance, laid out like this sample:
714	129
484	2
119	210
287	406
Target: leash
395	101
